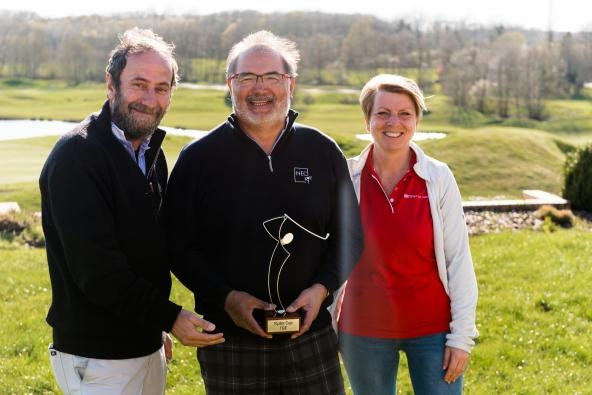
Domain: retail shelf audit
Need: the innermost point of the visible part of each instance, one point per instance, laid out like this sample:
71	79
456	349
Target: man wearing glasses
263	226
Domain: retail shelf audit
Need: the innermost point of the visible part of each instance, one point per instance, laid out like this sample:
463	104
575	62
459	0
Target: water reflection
25	129
418	136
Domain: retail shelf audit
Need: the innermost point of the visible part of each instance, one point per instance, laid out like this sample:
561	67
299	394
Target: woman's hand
455	363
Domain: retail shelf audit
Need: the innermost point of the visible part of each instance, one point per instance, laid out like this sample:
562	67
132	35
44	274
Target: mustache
142	108
259	98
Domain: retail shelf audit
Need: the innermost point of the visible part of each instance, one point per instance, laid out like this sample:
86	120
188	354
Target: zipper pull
270	165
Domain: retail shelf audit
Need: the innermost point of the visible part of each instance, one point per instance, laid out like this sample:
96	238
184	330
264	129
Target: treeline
494	70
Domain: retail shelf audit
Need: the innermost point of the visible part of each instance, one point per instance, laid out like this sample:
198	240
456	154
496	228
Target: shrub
548	226
349	99
578	178
550	214
565	147
466	118
308	99
21	229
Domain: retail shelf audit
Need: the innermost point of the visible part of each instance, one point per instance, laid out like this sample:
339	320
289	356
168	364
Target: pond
24	129
418	136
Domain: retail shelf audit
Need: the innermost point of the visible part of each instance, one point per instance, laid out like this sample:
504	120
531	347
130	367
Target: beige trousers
89	376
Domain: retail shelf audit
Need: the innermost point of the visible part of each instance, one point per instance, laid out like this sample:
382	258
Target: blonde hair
395	84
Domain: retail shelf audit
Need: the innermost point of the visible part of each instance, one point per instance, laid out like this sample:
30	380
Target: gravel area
479	222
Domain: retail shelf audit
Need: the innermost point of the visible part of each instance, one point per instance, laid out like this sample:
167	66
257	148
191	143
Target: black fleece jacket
229	203
105	244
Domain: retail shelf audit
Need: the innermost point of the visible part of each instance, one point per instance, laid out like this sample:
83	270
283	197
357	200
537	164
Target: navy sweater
229	203
106	251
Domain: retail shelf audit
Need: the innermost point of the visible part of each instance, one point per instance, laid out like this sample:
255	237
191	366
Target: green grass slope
494	162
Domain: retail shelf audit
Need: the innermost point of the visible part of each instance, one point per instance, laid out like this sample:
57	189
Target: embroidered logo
409	196
301	175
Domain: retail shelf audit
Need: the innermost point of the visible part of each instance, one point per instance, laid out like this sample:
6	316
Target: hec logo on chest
301	175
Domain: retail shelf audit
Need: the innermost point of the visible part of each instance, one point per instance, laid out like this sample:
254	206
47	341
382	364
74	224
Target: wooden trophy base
281	322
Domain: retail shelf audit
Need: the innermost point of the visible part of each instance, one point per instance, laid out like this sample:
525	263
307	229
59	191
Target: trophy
279	321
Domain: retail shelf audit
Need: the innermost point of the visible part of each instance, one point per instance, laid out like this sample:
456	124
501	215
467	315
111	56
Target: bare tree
359	47
505	67
319	52
542	78
577	57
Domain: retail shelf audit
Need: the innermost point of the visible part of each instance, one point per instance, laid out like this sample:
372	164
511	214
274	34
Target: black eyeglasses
250	79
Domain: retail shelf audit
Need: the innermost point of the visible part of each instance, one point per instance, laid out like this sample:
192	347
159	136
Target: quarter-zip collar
138	155
103	122
290	119
356	164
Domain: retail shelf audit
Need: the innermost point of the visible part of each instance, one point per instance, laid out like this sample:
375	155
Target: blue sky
561	15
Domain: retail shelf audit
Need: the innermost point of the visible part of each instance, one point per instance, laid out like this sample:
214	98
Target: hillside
494	162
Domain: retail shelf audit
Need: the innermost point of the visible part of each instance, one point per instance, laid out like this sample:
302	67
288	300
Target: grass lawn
533	316
22	159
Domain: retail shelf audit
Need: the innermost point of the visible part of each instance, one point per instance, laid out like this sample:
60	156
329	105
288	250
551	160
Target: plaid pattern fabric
247	364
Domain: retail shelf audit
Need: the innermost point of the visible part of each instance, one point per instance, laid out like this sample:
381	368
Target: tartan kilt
247	364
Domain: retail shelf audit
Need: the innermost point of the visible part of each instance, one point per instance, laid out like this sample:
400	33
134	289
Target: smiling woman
416	257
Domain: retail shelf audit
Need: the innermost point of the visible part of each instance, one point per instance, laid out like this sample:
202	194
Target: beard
241	110
135	127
